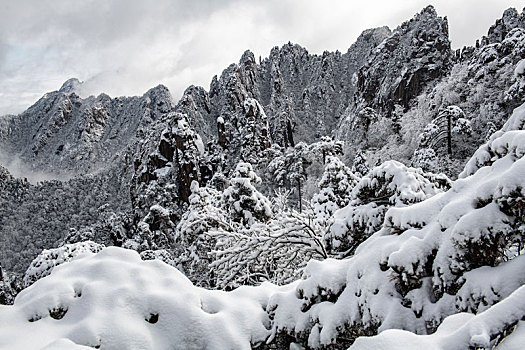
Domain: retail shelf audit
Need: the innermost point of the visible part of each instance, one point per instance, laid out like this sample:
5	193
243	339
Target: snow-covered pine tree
327	147
397	114
243	202
192	238
450	120
360	165
290	169
389	184
298	173
365	117
335	187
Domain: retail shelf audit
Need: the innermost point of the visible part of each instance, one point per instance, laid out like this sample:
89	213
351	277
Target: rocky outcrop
498	31
409	61
68	134
304	95
418	52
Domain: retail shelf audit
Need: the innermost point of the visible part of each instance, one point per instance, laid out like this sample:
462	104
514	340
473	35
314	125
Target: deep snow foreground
114	300
461	331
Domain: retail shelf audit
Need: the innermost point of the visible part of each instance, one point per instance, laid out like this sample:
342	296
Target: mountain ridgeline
380	192
379	98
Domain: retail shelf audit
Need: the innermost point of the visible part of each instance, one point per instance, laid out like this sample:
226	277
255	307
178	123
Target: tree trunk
300	196
449	135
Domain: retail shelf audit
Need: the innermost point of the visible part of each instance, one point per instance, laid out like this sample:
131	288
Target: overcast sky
125	47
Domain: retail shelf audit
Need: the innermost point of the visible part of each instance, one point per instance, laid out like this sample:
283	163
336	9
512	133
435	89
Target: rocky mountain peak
415	53
430	10
372	36
161	97
247	58
70	85
498	31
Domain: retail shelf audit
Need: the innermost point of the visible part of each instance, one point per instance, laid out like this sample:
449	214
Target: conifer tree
360	166
335	187
242	200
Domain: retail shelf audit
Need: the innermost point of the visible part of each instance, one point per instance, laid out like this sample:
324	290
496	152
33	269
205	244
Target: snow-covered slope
486	330
457	251
114	300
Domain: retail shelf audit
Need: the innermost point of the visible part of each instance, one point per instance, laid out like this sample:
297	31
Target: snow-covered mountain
328	167
455	251
63	133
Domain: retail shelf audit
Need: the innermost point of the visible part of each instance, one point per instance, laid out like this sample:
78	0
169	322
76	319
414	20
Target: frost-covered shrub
390	184
360	165
159	254
46	261
154	231
111	229
269	248
462	127
10	286
424	158
429	133
274	251
517	89
459	250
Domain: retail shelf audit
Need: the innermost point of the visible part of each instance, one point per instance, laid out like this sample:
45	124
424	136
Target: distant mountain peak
430	10
70	85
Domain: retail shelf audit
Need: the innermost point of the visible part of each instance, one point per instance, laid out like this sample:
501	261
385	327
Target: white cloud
125	47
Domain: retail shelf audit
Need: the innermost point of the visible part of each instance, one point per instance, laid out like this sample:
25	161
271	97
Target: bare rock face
64	133
195	103
307	96
498	31
304	95
417	53
413	58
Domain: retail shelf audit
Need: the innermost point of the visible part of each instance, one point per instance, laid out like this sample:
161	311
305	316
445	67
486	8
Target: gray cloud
124	47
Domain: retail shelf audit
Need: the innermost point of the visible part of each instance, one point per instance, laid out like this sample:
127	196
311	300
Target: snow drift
114	300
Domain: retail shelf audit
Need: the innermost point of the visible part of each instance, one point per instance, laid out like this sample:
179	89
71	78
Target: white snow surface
460	331
109	298
520	68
